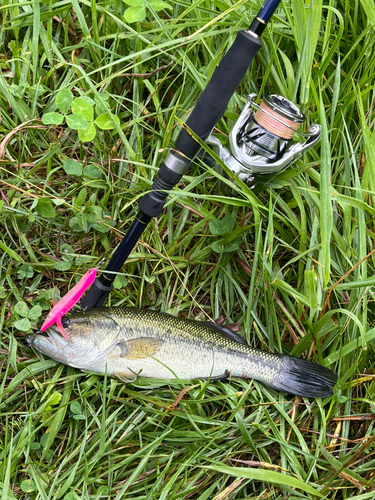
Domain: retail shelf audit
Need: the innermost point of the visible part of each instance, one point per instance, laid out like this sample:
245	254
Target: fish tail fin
305	378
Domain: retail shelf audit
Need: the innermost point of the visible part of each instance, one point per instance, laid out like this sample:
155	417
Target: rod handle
214	100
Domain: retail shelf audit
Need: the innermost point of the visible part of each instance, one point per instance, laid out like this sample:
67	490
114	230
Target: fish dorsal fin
139	348
126	377
225	332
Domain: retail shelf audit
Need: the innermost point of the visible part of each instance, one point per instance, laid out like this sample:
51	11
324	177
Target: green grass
302	280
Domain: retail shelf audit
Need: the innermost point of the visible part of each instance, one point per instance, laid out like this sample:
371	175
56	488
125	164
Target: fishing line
270	120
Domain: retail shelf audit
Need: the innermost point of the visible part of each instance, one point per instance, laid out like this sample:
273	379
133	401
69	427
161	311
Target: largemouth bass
127	342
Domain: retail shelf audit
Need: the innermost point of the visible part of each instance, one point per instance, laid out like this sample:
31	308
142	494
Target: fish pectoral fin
126	377
139	348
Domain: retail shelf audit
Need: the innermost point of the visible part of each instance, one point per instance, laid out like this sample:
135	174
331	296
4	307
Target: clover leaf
52	119
81	107
28	485
72	167
105	121
82	113
45	208
223	226
137	10
64	100
26	315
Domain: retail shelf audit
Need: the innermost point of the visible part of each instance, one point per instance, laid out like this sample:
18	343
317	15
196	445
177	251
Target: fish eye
65	322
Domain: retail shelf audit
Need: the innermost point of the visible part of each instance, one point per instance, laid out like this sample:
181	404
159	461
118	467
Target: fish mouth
51	338
56	338
29	339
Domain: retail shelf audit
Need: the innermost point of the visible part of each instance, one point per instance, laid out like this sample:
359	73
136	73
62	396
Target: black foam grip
214	100
153	202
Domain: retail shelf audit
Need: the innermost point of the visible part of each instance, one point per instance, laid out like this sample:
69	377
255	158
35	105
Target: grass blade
266	476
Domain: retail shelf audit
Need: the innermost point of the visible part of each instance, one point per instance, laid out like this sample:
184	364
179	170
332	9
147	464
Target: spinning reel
261	140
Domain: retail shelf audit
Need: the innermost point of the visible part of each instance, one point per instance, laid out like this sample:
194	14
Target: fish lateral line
67	302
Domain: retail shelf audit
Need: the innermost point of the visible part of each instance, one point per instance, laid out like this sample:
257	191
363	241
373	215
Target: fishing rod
260	142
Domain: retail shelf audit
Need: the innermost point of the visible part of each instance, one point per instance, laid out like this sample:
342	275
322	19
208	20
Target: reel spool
261	140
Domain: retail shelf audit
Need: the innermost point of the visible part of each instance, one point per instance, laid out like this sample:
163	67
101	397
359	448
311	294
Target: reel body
261	141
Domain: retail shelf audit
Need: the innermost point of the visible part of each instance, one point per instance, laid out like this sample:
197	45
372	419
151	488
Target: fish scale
129	342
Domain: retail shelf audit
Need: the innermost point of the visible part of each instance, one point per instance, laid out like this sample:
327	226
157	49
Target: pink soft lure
68	301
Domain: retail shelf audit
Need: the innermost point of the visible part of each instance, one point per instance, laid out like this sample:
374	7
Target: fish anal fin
139	348
224	376
126	377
